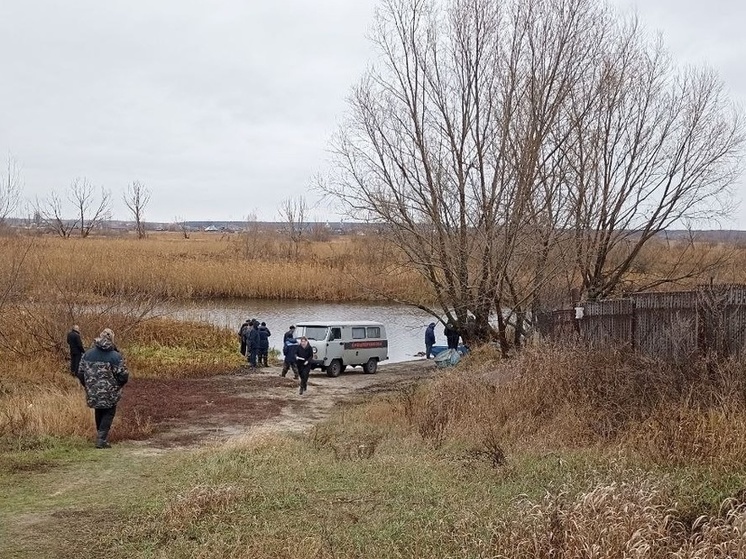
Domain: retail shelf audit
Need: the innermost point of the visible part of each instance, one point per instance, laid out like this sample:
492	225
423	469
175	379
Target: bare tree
293	212
250	242
499	140
182	226
136	197
51	215
10	189
448	137
657	148
80	210
90	211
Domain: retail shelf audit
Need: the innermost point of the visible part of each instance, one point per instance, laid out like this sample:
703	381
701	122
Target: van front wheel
334	368
371	366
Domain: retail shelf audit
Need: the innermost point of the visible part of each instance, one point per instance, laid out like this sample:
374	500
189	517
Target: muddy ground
189	412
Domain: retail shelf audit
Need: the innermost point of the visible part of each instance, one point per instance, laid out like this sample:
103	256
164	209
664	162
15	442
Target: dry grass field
557	452
211	265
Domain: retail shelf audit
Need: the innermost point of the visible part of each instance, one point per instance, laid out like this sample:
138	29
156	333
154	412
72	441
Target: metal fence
673	325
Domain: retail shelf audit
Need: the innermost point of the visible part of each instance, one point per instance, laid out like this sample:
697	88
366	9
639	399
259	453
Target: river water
405	326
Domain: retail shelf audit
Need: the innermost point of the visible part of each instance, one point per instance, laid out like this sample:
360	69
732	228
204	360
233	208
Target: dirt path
192	412
49	506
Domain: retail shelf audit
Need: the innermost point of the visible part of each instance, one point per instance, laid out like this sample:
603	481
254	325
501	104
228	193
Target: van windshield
311	332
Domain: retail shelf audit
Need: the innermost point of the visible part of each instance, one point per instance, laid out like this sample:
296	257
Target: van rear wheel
334	368
371	366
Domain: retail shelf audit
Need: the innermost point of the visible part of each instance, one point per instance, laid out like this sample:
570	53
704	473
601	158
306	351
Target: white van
338	345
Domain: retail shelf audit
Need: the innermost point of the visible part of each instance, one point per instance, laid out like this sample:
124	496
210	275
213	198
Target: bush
573	397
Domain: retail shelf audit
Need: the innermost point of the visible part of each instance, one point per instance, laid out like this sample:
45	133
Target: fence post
575	296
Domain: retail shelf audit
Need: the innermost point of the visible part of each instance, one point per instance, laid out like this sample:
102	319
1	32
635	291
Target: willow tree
465	139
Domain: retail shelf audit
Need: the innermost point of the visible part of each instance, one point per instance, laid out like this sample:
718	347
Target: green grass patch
414	474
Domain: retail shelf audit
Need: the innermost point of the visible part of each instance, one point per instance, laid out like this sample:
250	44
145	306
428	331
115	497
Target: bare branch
293	212
10	189
90	212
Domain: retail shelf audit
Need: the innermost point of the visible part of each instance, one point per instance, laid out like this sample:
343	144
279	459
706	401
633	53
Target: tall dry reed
206	266
634	519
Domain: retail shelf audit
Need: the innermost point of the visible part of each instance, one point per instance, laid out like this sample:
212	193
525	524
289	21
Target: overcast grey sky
226	107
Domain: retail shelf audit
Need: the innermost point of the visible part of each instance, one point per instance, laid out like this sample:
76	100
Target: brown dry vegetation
541	456
348	268
558	452
211	266
572	397
39	396
513	419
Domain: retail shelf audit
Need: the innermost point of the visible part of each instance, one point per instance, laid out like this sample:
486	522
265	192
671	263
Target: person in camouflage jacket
103	373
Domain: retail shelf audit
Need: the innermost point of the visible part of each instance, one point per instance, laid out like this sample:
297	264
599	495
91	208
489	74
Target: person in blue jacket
288	350
429	339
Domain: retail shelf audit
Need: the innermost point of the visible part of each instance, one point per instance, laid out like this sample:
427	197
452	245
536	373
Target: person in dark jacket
252	343
103	373
303	357
76	349
288	350
242	335
290	334
264	335
429	339
451	335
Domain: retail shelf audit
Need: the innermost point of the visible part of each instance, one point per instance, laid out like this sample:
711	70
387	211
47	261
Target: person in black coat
451	335
252	343
76	349
303	357
289	335
264	335
242	335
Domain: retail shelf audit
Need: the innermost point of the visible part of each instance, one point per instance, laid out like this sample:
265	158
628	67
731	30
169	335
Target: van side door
335	344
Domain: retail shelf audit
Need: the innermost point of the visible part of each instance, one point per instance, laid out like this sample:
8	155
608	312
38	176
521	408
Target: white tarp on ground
447	358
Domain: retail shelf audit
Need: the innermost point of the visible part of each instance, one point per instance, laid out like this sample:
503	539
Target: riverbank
482	461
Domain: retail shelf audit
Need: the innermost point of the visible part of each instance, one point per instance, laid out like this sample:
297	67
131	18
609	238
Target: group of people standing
103	374
297	352
452	337
254	338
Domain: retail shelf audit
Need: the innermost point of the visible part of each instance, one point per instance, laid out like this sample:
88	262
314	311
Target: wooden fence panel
557	325
666	324
607	322
673	325
722	311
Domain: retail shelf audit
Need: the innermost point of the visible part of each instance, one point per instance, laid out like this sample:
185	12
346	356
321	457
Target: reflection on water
405	326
